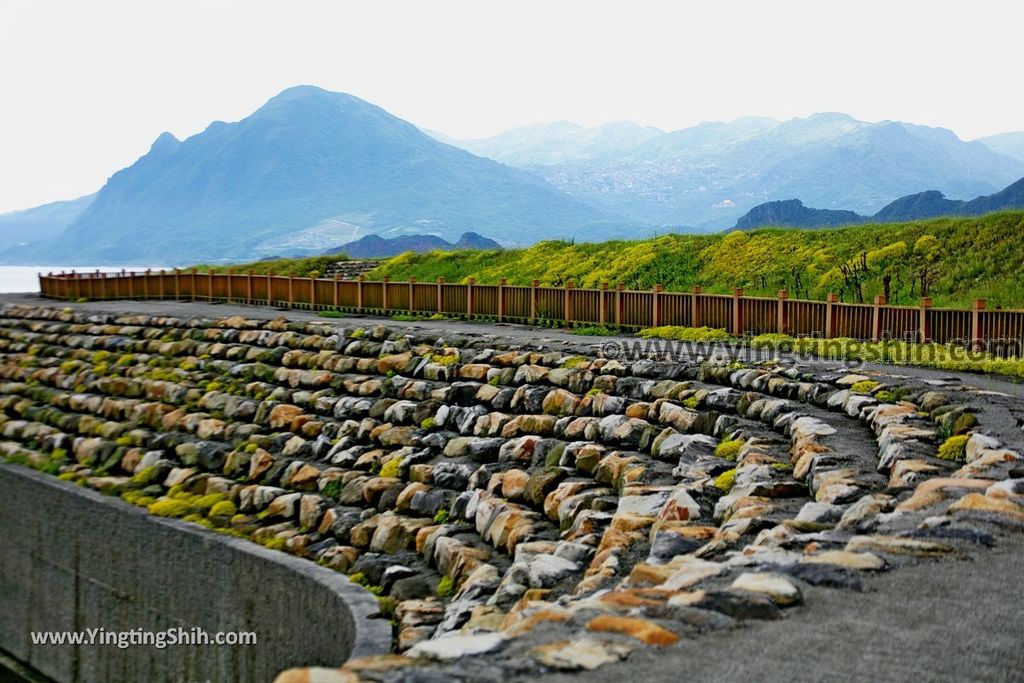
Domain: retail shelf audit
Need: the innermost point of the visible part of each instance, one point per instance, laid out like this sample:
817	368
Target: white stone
453	647
780	589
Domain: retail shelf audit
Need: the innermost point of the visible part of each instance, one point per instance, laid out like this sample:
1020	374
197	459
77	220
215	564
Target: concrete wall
71	559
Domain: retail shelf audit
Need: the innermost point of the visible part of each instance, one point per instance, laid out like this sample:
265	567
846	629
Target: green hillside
952	259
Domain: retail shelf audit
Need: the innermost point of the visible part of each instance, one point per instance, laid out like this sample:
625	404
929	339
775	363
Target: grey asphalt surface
943	620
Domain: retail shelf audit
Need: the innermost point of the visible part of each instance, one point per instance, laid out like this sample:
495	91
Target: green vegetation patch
694	334
954	448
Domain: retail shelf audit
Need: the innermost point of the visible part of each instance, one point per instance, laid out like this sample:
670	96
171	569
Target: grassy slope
971	257
294	267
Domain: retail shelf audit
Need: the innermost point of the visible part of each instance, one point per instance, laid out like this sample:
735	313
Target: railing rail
611	306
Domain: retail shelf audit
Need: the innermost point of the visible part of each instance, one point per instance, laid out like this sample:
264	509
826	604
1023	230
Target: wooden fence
1001	331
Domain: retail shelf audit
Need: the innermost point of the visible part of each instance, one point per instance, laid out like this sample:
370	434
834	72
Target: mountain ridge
922	205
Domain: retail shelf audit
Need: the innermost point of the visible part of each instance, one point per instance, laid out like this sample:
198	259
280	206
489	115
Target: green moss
358	333
250	447
144	476
885	396
441	516
391	468
729	449
695	334
954	448
593	331
445	587
574	362
775	341
137	498
724	481
331	489
331	314
428	423
123	440
224	508
445	359
864	386
170	507
206	503
274	543
691	402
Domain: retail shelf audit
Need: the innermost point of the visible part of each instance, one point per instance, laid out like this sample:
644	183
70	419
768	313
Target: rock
641	629
779	588
450	648
898	546
282	415
316	674
547	570
977	502
849	560
574	655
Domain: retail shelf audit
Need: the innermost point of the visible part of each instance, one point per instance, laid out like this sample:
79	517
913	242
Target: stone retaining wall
60	570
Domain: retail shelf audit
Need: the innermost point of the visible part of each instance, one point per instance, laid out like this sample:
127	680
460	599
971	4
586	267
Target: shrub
724	481
274	543
672	333
729	449
954	448
885	396
144	476
206	503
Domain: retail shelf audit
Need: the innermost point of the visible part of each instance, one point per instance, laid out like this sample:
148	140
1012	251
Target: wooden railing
610	306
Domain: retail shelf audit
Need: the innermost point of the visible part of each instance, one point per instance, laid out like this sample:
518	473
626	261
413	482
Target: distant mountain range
792	213
309	170
313	170
706	176
375	246
41	223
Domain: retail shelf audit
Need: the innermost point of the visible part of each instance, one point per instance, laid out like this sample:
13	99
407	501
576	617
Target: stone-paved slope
552	510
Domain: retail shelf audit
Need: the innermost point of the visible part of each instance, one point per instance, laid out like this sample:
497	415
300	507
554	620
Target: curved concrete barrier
72	560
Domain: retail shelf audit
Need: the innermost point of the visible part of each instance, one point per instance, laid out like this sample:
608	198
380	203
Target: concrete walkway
943	620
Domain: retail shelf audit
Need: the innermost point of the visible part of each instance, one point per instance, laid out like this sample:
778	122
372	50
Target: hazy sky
85	87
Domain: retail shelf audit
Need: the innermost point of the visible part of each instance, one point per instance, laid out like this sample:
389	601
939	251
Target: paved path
944	620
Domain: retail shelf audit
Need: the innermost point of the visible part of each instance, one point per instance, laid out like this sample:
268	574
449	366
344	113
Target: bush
954	448
689	334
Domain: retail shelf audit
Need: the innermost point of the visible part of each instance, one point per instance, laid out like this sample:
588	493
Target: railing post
924	324
782	317
876	317
830	315
231	284
194	284
656	306
501	299
412	292
248	287
131	283
533	300
977	341
737	312
145	283
470	295
177	284
337	286
384	292
291	291
695	306
618	305
162	286
601	303
440	294
567	293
